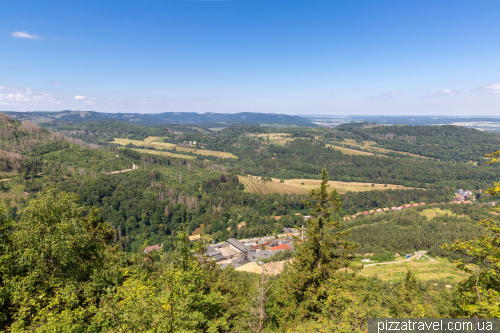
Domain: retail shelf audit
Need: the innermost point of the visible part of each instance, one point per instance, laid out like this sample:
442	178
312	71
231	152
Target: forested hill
162	118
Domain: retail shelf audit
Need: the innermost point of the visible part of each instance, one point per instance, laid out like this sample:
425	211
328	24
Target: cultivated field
424	270
204	152
164	153
302	186
368	145
348	151
149	142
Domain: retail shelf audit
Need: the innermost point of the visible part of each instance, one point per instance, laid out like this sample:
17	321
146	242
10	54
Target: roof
156	247
394	208
212	253
281	247
277	217
219	257
237	244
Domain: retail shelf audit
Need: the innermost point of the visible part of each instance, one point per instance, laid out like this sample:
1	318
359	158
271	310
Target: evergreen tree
323	254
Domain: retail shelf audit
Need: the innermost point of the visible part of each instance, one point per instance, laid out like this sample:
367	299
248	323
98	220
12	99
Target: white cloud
55	83
497	92
80	97
24	34
446	92
495	86
17	95
395	92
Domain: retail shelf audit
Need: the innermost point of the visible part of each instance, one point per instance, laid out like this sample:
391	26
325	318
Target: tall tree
323	254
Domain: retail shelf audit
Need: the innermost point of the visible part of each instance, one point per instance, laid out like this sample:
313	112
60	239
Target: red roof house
280	247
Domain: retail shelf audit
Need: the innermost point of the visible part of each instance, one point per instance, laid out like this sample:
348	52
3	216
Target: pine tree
324	253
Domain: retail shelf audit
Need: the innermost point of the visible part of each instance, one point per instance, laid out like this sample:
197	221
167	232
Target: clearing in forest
424	270
275	138
302	186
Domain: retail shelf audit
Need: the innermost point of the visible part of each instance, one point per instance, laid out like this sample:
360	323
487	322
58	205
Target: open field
204	152
164	153
424	270
149	142
433	212
302	186
348	151
275	138
368	145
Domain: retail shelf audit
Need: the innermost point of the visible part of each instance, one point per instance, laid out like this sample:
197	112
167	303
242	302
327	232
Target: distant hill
161	118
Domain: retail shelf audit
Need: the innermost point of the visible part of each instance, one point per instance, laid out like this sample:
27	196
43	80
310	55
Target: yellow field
204	152
424	270
348	151
368	145
275	138
149	142
254	185
164	153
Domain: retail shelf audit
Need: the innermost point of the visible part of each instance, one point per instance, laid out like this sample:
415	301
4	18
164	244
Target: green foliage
319	258
59	258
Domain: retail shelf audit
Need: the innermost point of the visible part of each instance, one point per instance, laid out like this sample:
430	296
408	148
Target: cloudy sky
280	56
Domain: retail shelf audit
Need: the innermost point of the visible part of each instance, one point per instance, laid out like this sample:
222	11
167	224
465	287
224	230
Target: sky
279	56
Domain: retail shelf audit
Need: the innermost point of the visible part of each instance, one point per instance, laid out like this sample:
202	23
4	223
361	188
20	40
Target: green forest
78	210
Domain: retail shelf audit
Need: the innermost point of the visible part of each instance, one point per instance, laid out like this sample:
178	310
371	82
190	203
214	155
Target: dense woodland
83	227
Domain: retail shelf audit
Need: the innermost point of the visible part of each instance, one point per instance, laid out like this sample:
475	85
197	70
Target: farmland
302	186
150	142
164	153
348	151
369	145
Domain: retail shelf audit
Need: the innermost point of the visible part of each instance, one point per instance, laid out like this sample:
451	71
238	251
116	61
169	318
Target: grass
425	270
254	185
433	212
164	153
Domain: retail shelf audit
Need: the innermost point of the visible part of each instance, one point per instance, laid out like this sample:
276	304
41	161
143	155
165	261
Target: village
239	252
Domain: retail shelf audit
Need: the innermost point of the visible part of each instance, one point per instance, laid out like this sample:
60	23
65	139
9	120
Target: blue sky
288	56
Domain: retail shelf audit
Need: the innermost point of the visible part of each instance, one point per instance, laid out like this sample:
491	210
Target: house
366	260
194	238
241	225
372	211
358	214
156	247
365	213
394	208
385	209
237	245
467	202
306	217
347	218
422	204
297	214
280	247
277	217
378	211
